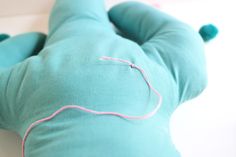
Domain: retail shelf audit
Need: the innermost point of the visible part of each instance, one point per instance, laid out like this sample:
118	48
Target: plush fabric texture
36	79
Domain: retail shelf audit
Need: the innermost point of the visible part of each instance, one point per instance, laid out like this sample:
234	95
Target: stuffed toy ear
18	48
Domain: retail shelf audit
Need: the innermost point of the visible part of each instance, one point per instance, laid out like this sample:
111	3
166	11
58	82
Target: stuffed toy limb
12	51
84	94
16	49
4	37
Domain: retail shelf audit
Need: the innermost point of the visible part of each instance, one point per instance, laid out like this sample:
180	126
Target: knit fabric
37	79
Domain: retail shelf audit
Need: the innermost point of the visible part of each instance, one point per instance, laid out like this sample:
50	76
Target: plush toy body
68	71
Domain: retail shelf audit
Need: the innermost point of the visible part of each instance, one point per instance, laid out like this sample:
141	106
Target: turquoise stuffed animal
85	92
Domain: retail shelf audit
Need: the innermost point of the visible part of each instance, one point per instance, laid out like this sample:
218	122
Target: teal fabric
208	32
20	47
4	37
67	71
13	51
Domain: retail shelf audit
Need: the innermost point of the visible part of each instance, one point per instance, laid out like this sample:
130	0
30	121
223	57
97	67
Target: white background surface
203	127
